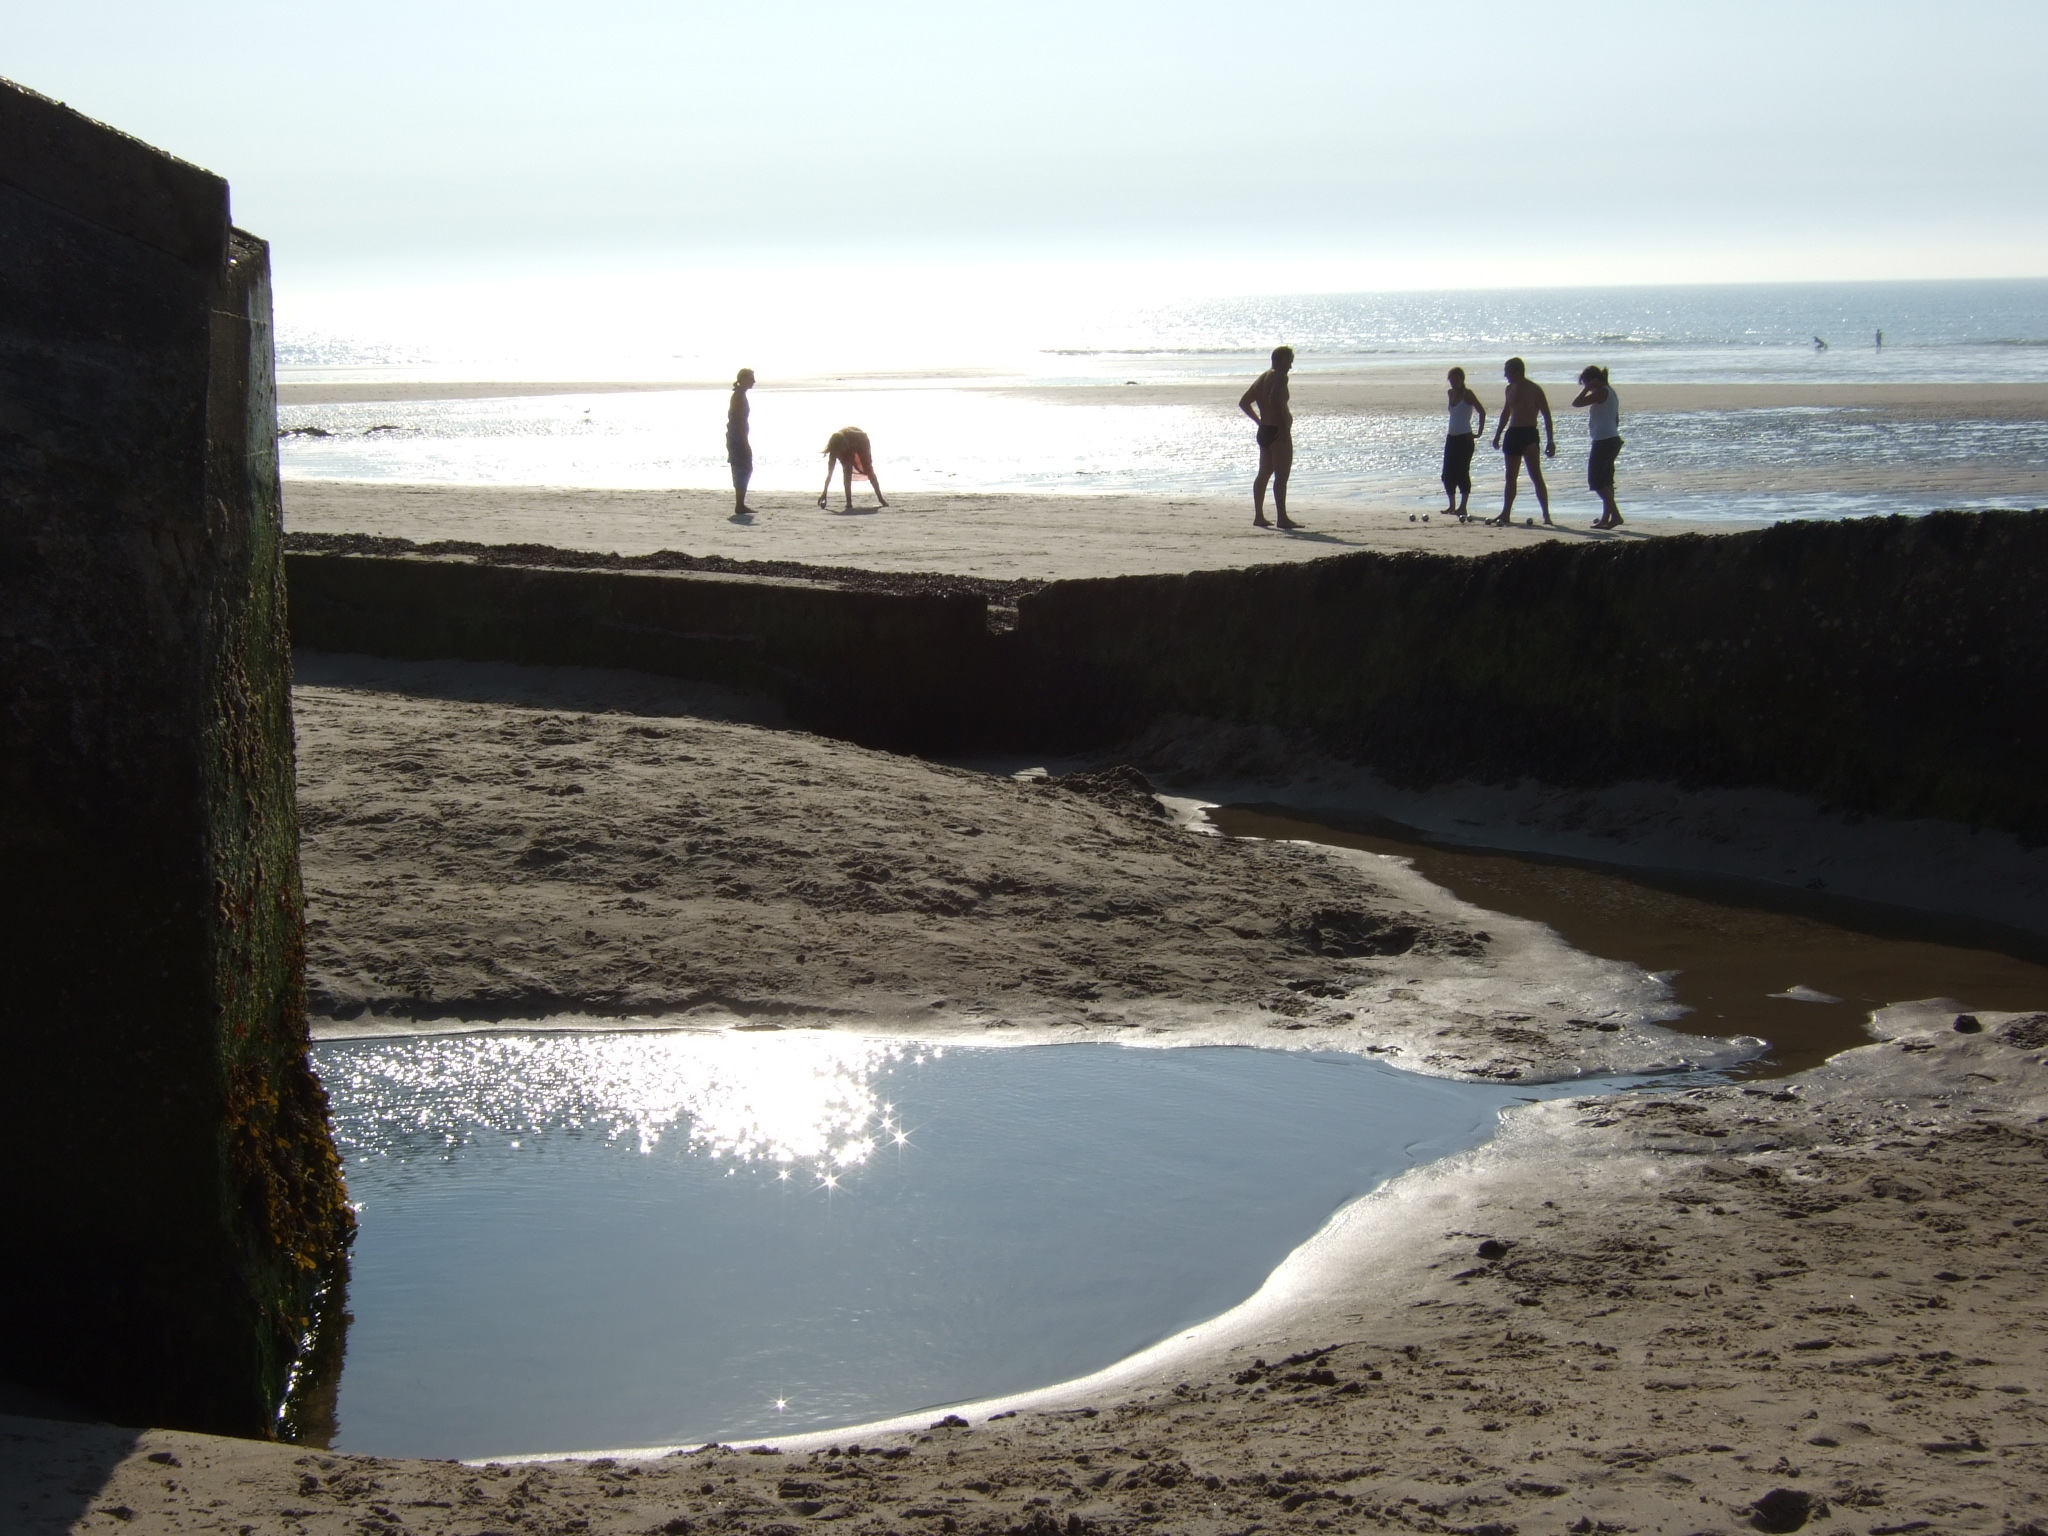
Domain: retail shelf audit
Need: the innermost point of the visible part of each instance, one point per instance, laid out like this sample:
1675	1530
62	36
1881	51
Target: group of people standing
849	451
1515	434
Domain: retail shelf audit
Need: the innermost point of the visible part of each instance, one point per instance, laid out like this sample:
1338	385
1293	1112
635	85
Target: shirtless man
1266	403
1518	412
738	451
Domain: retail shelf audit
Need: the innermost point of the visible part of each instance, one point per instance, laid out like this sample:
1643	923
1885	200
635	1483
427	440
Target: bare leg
1259	496
847	467
825	494
741	474
880	499
1610	511
1280	517
1536	479
1507	505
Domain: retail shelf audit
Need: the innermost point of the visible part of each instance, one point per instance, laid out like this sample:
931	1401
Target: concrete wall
170	1192
906	672
1887	665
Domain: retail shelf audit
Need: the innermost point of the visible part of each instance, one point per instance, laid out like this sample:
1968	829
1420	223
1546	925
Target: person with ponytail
1603	418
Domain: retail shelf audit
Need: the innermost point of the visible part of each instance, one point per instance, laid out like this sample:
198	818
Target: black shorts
1600	465
1519	440
1266	436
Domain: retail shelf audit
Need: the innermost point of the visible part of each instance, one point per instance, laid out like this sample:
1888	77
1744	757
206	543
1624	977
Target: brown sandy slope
1822	1295
472	859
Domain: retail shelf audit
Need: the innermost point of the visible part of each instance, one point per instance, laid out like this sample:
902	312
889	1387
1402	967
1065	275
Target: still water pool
586	1241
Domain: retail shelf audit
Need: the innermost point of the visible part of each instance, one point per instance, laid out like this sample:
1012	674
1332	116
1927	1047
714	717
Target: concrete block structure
168	1185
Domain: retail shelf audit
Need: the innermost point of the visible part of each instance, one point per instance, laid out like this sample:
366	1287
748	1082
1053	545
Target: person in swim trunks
1266	403
739	453
1459	442
849	450
1604	420
1525	402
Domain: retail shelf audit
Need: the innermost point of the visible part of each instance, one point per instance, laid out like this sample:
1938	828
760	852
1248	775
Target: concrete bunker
172	1197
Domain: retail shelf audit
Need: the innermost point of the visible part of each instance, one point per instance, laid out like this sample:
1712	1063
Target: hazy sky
1271	146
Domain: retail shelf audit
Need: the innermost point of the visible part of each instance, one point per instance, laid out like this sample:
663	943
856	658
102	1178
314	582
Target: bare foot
880	503
1260	522
1287	525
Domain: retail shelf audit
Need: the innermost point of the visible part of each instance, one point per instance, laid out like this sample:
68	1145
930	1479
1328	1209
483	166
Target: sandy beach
1745	1306
1002	537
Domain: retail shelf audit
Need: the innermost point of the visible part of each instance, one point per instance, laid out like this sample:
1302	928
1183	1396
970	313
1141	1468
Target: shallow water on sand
1733	950
582	1241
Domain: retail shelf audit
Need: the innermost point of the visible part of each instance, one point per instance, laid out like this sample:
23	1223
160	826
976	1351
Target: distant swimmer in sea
1819	345
1525	402
1266	403
1880	341
849	450
1603	419
1459	440
739	453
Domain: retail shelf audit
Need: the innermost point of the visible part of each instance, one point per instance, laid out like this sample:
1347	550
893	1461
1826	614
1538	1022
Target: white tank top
1604	416
1461	417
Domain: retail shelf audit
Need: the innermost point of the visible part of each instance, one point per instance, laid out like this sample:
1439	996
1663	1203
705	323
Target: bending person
1603	419
849	451
1518	412
1459	441
739	453
1266	403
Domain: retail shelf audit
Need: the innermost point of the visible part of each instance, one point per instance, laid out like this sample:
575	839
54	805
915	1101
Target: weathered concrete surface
1891	666
901	671
170	1192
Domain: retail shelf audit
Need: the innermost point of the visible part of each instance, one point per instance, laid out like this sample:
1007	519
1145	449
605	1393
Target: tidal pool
588	1241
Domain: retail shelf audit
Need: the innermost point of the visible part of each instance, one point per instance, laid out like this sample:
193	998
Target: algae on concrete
170	1189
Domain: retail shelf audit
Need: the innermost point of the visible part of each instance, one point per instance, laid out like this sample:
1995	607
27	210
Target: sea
1003	384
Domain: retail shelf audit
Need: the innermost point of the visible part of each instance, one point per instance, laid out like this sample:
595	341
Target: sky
1274	147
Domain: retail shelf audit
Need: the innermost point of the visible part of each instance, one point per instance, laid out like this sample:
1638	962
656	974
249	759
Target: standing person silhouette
848	449
739	453
1603	421
1266	403
1518	412
1459	441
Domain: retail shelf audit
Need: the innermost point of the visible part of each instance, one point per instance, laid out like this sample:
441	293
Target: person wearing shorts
849	451
1460	438
739	453
1519	413
1266	403
1603	420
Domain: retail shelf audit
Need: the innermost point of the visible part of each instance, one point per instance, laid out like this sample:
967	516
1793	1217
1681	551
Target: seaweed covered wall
1885	665
903	671
171	1194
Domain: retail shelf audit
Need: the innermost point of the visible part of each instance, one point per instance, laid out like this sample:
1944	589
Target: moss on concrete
172	1195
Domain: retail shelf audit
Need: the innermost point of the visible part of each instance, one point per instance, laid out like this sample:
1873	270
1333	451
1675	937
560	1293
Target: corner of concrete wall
171	1190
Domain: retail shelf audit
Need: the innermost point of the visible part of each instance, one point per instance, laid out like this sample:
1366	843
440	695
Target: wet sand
1801	969
1726	1309
1403	390
1635	1314
473	852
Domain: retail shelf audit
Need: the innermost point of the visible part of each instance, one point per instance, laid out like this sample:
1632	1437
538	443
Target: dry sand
1004	537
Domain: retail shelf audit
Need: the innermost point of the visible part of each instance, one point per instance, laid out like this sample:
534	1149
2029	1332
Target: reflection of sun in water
783	1098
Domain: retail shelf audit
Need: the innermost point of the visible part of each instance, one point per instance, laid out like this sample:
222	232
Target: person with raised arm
1459	441
1266	403
1525	402
1603	420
